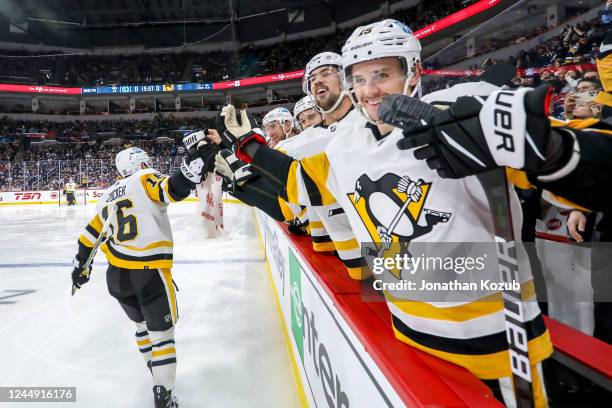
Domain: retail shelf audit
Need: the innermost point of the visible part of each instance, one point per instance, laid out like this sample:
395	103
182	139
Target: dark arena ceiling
167	23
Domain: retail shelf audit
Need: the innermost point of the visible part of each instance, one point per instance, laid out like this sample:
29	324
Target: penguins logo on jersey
389	213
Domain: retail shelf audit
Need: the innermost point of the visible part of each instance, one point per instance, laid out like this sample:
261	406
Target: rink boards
334	367
344	350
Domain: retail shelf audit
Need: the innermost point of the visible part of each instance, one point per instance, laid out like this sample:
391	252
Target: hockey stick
96	245
401	110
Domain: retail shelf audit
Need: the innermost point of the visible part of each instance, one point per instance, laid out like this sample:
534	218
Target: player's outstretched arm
198	161
246	186
511	128
298	182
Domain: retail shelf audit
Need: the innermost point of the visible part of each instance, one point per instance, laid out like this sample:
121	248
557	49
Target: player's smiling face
308	118
275	133
375	79
325	86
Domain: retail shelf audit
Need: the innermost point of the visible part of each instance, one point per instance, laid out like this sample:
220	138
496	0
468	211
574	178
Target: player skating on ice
139	250
70	189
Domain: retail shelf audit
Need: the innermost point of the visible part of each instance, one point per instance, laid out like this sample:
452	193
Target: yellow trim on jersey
150	183
143	342
167	276
292	187
85	241
519	179
96	223
603	98
316	224
346	245
285	209
122	263
472	310
487	366
157	244
358	273
317	168
164	352
323	246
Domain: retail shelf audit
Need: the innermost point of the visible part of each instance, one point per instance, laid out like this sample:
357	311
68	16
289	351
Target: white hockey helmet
280	115
387	38
128	161
303	104
323	59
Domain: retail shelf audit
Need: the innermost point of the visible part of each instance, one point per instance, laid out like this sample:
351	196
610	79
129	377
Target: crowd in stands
87	156
91	165
76	131
565	61
91	70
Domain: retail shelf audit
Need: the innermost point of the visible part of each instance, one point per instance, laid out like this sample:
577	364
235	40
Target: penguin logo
392	207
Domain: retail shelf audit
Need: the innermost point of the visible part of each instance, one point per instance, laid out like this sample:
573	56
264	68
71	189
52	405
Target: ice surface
230	346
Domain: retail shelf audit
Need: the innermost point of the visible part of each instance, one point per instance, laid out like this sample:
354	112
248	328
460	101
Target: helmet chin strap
334	106
286	133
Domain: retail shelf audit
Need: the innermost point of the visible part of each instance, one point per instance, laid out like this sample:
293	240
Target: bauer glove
199	161
192	139
510	128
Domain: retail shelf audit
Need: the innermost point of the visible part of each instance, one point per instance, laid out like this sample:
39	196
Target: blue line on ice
185	262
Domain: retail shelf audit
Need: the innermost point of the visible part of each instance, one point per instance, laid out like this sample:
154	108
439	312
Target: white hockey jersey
361	170
140	235
329	226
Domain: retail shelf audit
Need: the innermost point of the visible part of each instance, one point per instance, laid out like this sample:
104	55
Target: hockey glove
199	161
227	165
240	134
192	139
80	275
510	129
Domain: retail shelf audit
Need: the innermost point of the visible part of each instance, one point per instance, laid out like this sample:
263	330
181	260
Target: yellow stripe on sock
164	352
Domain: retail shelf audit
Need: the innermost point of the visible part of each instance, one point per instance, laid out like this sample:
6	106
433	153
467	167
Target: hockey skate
164	398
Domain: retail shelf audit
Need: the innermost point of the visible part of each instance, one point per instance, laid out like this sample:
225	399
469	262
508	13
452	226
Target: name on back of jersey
116	193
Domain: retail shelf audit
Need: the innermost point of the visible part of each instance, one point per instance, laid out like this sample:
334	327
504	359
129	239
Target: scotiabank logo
53	195
27	196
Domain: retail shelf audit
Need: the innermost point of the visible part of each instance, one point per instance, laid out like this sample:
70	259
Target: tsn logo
27	196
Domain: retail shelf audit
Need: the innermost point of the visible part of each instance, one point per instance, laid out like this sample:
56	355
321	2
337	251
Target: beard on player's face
327	99
326	91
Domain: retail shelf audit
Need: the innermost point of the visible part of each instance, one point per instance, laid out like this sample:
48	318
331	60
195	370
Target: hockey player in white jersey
329	227
70	190
139	250
390	196
278	126
305	113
